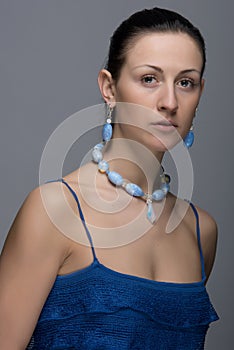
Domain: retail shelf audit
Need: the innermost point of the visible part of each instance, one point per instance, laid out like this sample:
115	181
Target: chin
156	144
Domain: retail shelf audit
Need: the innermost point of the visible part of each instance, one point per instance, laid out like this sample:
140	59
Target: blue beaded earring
189	138
106	136
107	127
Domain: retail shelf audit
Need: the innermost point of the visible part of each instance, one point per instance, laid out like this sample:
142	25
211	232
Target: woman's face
162	71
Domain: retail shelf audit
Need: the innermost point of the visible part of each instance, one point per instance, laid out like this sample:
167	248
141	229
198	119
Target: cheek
125	94
132	113
188	105
186	122
187	114
128	90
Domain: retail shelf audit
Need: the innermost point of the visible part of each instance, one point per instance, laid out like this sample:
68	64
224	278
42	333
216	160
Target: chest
171	257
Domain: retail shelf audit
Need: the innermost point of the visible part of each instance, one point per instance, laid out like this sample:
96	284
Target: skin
161	75
36	251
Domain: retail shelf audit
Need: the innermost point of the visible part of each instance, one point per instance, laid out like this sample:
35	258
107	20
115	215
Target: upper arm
209	236
33	252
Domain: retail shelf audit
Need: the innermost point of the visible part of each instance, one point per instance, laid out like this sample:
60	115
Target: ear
202	86
106	86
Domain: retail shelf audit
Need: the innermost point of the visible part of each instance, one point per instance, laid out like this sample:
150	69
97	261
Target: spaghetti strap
199	240
81	214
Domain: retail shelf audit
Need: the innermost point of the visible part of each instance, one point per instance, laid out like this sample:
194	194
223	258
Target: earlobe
106	85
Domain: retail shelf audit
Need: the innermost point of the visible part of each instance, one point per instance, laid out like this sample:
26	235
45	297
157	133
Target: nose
167	100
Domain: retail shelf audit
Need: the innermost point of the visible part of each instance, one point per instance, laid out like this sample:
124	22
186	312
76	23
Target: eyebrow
149	66
158	69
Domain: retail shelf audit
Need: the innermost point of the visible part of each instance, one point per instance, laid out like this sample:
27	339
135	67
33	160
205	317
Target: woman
145	293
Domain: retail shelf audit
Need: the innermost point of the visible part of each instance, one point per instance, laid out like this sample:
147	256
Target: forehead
176	50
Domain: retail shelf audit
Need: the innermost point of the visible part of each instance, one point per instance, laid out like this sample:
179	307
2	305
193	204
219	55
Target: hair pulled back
155	20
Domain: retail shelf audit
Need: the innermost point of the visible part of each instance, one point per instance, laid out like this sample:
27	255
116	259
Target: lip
164	125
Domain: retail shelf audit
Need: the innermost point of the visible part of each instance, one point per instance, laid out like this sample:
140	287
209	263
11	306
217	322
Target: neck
134	162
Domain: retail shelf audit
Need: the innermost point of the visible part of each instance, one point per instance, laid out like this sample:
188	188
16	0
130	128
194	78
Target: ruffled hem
104	292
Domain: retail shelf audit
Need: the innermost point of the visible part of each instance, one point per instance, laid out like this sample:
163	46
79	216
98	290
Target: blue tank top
99	308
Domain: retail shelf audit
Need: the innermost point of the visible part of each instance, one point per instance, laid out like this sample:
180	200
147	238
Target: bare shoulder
32	255
208	224
34	225
209	236
208	230
39	228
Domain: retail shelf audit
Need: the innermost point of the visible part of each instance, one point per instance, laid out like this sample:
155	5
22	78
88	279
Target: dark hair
148	21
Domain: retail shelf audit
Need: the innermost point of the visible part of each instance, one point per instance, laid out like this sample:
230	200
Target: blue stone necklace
116	179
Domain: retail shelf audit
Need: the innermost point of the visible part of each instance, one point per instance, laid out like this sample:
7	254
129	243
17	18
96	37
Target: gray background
50	55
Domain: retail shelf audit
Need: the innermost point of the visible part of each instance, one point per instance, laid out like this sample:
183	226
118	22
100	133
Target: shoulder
207	224
209	237
208	229
37	225
42	205
34	251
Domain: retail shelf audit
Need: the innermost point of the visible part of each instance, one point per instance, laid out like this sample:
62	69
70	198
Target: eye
149	80
186	83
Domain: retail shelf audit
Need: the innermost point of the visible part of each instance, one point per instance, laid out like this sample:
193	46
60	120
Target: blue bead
115	178
189	139
107	132
150	213
134	190
158	195
103	166
96	155
99	146
165	188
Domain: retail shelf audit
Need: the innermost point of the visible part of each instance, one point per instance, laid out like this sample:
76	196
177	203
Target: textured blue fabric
99	308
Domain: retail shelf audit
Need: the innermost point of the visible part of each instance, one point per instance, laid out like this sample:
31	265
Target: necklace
116	179
134	190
